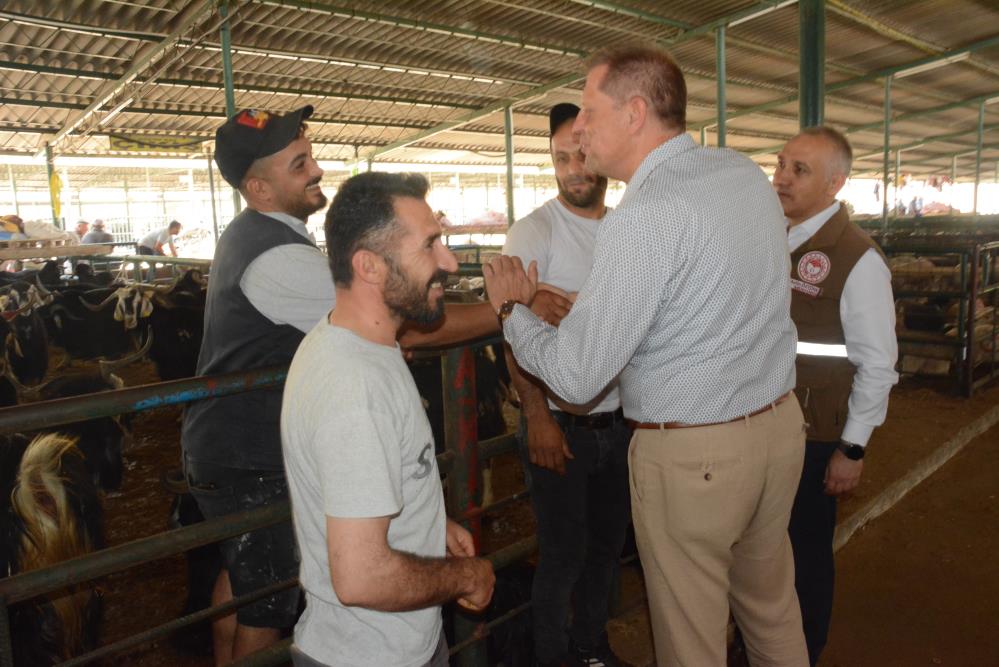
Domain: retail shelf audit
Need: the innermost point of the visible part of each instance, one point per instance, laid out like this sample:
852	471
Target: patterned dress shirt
689	296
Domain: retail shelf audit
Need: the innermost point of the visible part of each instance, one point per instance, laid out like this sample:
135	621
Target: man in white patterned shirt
842	304
688	300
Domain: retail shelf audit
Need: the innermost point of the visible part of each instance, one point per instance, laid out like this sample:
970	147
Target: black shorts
258	558
145	250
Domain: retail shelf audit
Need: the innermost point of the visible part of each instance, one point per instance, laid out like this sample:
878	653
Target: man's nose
448	262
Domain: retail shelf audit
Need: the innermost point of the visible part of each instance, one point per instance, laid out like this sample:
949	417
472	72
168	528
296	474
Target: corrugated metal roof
384	71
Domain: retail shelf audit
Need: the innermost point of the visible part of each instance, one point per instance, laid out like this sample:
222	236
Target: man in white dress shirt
688	300
842	304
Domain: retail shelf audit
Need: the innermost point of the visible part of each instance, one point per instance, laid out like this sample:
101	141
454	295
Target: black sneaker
600	655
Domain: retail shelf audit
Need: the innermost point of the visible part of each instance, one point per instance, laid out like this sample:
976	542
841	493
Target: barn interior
108	109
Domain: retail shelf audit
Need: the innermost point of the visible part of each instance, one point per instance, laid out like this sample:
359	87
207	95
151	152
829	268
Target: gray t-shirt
562	244
357	444
151	239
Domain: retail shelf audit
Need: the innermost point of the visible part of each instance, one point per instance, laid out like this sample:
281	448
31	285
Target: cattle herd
52	484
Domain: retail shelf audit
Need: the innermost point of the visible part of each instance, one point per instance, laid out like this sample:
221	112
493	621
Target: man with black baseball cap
576	456
269	286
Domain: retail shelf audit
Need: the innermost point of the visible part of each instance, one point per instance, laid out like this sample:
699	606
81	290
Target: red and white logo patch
814	267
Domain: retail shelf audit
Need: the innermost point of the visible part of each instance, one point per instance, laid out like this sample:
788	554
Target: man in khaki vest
842	304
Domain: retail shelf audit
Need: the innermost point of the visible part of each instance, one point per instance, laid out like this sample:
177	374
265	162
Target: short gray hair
842	159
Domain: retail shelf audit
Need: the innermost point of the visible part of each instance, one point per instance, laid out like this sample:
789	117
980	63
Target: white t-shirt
562	243
356	444
161	236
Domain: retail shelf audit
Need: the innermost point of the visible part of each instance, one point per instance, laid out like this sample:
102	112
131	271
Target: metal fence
460	461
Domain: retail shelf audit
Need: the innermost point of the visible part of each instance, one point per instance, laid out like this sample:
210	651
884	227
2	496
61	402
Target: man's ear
638	111
257	188
368	267
836	184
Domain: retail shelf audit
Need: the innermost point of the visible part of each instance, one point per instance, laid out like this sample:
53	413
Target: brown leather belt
661	425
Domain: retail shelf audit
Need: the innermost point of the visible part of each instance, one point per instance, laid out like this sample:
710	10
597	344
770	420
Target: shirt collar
661	153
290	220
799	234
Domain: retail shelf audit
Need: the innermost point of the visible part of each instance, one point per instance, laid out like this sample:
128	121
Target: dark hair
362	217
843	159
650	73
174	223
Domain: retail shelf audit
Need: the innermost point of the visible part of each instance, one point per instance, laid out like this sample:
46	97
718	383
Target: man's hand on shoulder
506	280
546	444
842	474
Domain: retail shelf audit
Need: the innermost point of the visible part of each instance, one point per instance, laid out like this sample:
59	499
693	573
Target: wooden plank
57	252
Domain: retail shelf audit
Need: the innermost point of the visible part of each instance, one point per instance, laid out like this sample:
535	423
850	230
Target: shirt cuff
856	432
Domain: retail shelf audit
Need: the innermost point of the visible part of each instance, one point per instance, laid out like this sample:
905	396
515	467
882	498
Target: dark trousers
811	529
582	518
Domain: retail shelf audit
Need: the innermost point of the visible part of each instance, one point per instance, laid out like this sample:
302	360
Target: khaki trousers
711	506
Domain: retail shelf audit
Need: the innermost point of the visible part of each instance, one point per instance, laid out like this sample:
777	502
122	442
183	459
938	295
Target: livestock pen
461	462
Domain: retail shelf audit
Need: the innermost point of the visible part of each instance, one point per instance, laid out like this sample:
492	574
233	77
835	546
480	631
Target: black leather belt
593	421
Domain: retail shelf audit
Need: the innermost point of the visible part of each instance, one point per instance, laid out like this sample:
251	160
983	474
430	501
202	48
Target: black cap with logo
252	134
559	114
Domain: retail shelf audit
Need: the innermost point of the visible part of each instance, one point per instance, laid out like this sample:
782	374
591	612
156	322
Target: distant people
379	555
155	242
843	307
81	230
97	234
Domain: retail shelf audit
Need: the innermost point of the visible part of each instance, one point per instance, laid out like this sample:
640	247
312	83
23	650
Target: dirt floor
918	586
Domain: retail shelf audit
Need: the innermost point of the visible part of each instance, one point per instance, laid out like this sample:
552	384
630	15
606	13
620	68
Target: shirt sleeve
611	316
867	310
360	465
290	284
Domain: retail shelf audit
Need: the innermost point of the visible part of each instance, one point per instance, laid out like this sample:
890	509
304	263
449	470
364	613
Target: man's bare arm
461	322
546	444
367	572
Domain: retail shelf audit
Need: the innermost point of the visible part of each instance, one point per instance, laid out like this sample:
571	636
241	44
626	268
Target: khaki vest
819	269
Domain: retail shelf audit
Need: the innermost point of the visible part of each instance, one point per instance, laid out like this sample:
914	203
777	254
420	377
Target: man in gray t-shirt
378	555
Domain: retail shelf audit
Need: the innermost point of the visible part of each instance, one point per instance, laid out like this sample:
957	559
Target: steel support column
704	135
13	190
812	56
720	70
508	139
898	181
230	95
978	154
953	181
464	483
887	153
211	192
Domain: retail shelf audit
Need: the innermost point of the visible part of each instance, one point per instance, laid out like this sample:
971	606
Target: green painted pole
887	153
978	154
812	57
720	68
704	135
211	192
13	190
898	181
230	93
508	139
953	181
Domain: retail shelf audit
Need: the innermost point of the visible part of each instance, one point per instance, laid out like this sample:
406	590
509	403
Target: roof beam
188	18
136	35
878	74
843	9
214	85
496	106
423	26
900	118
928	140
